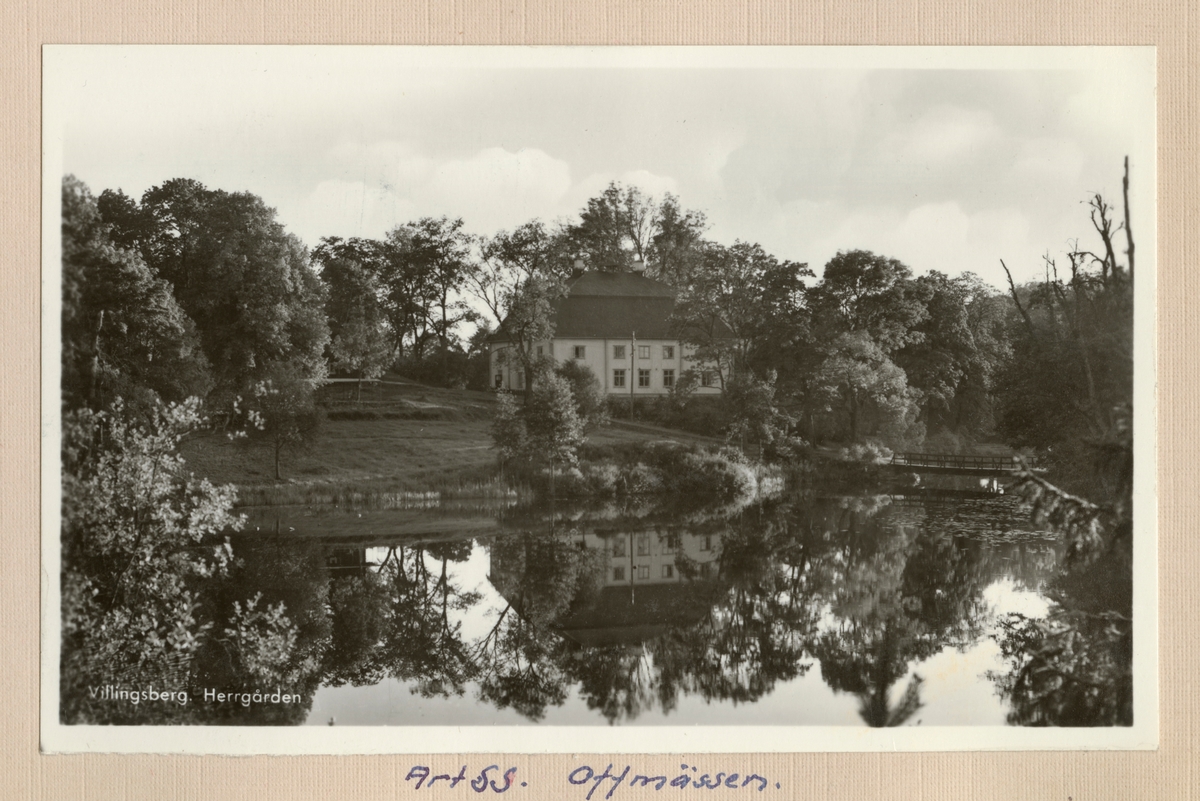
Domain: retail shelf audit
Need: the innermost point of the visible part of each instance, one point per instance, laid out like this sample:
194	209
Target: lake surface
864	610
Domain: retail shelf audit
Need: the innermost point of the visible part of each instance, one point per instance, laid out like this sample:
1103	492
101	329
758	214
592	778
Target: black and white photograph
574	399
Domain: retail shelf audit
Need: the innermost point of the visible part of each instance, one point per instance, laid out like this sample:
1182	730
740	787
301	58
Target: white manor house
618	324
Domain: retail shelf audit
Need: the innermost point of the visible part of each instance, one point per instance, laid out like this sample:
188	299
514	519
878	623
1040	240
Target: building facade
620	326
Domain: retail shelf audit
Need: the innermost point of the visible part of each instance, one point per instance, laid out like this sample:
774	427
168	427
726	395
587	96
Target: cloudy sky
948	160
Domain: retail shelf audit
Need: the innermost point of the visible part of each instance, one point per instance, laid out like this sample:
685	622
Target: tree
529	321
615	228
752	412
283	413
590	400
508	428
677	242
235	271
858	378
358	344
735	300
437	250
123	334
861	291
552	426
141	540
1075	666
509	259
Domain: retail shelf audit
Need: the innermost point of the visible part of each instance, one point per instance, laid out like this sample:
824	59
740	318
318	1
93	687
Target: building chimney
639	266
579	265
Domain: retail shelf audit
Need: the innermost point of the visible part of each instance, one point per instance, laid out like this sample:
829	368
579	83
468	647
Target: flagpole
632	369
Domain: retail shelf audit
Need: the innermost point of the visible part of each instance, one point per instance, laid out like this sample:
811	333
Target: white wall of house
660	358
649	557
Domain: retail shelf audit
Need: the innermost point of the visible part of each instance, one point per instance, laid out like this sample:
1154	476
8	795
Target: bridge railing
955	461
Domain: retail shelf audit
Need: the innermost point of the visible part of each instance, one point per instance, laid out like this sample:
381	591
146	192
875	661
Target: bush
590	402
787	450
711	474
640	479
869	452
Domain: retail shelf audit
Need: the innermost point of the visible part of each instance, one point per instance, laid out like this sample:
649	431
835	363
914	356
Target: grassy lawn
444	444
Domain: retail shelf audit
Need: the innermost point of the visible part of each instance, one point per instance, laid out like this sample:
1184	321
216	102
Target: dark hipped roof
637	613
612	306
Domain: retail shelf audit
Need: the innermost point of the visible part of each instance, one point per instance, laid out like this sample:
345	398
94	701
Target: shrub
641	479
709	474
870	452
590	401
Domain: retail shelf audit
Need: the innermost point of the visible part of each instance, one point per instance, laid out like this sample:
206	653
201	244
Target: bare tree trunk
1128	229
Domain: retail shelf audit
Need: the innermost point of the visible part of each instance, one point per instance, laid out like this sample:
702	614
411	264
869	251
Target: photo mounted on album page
591	400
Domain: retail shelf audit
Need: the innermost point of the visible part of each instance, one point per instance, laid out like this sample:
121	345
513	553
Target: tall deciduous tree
862	291
737	299
123	334
358	339
243	280
615	227
859	380
529	321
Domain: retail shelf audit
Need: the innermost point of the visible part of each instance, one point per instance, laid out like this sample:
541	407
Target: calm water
876	610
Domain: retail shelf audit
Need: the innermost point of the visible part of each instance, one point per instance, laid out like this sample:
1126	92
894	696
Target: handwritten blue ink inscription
689	776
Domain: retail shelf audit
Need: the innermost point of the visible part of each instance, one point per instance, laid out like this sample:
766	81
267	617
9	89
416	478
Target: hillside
402	435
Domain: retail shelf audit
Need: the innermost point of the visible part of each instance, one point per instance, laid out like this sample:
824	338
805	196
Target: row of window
643	351
618	379
669	544
643	378
707	378
642	572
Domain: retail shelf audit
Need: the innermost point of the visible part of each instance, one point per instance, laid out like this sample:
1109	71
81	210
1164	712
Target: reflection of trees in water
865	586
899	591
1075	667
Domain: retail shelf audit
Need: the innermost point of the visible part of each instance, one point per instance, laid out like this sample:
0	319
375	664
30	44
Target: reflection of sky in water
955	689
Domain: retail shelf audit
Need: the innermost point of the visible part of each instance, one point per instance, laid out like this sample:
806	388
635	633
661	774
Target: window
618	574
618	547
670	543
706	543
668	571
668	351
580	351
668	379
706	379
643	378
643	545
643	571
499	380
541	350
521	380
643	351
618	378
618	351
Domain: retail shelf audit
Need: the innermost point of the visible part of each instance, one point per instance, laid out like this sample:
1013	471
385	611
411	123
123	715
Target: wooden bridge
957	464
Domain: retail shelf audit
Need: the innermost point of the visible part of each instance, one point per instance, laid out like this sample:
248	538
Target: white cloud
498	189
346	208
1047	159
947	135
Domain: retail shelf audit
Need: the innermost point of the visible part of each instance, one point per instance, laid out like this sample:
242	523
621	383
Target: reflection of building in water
644	584
654	557
349	561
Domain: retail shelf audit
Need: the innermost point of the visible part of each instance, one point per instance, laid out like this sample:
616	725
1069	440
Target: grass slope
424	439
